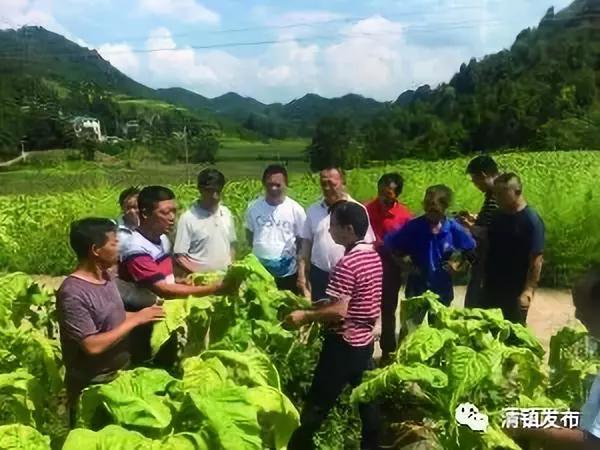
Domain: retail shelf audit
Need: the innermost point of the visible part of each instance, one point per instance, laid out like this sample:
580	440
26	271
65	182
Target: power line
304	24
345	35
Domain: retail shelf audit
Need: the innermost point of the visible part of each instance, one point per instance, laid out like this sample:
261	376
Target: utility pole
185	146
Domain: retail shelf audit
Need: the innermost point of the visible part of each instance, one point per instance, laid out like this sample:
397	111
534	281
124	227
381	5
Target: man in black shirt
515	252
483	171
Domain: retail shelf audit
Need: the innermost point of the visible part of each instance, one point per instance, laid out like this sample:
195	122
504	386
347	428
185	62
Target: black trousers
339	365
319	279
287	283
392	281
507	301
474	295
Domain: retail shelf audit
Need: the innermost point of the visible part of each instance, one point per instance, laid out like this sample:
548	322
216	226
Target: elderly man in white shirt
319	254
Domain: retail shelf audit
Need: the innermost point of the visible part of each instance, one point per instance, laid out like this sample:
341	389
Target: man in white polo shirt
206	232
319	254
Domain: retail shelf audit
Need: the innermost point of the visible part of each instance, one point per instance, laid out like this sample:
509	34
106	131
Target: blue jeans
319	279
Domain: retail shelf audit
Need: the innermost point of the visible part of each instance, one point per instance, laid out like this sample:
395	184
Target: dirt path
551	310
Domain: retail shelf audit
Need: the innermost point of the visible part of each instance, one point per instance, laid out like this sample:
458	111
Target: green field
52	171
239	150
560	185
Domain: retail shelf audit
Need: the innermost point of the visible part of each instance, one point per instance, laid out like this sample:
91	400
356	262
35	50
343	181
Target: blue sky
377	48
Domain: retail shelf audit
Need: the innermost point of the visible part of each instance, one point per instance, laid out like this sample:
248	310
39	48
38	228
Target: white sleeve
300	220
249	223
232	232
307	232
183	237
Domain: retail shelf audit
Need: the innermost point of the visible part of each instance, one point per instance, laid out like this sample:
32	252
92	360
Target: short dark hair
150	196
443	193
211	179
274	169
89	232
482	164
338	169
393	177
130	191
351	213
510	178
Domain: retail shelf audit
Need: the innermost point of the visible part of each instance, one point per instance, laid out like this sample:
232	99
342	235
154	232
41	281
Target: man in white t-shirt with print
273	225
206	231
319	254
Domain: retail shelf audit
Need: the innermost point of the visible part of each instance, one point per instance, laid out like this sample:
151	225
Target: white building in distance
83	124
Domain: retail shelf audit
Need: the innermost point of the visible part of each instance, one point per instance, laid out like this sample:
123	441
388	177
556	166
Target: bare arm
333	312
99	343
559	438
174	290
186	263
535	270
304	255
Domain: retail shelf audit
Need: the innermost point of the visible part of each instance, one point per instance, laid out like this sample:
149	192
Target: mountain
312	107
183	97
43	55
37	52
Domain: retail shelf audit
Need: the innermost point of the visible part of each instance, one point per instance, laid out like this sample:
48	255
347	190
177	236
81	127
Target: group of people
350	259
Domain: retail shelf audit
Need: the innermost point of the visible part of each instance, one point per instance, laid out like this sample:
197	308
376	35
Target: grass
233	149
52	171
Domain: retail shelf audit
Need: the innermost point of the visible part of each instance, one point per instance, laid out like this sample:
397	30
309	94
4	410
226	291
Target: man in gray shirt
92	319
206	232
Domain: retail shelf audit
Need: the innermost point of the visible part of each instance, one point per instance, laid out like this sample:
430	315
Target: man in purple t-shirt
91	315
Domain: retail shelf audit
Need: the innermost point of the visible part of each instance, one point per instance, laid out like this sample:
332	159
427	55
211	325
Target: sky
276	51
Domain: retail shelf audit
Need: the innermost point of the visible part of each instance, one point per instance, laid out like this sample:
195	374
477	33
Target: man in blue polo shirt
431	240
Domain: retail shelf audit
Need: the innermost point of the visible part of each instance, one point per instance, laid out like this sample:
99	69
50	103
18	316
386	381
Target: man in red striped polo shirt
350	313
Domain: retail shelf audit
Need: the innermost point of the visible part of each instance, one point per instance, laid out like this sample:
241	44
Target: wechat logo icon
468	414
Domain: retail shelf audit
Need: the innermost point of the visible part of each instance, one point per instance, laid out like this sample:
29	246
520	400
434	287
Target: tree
335	143
204	148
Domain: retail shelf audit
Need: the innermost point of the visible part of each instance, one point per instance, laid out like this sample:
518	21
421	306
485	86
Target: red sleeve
341	283
375	220
406	215
144	269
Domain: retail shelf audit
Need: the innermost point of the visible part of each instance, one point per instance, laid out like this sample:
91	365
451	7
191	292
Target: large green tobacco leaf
572	365
381	382
181	314
22	437
135	399
223	416
251	367
22	298
277	416
114	437
203	374
423	343
247	269
467	368
20	398
29	348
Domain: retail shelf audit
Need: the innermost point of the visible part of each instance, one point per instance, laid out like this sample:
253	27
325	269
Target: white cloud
308	17
189	11
122	57
17	13
371	57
